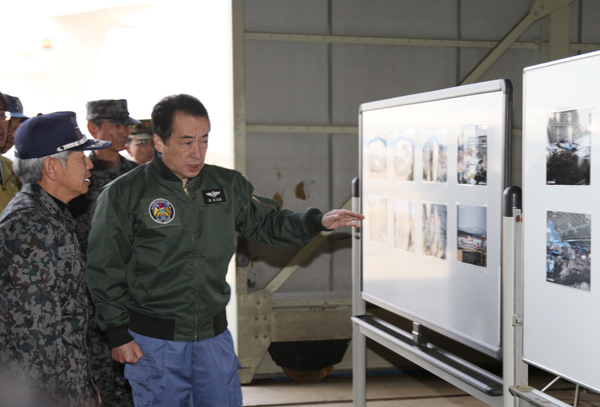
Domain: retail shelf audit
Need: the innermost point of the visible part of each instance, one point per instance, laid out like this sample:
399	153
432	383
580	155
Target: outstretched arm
341	217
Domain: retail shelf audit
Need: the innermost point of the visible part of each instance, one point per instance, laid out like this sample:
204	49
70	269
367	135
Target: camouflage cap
142	131
114	111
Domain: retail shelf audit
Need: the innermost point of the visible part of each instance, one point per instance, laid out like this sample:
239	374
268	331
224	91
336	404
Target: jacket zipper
195	264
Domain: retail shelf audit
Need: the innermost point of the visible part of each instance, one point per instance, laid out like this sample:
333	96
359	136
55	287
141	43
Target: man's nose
196	150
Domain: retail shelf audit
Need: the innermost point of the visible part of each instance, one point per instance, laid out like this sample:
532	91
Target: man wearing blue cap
10	183
44	302
15	107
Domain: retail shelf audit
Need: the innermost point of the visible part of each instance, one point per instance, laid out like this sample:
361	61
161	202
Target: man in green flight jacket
161	240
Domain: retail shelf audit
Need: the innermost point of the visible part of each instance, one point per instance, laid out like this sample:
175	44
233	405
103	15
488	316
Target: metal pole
540	9
359	341
550	384
514	370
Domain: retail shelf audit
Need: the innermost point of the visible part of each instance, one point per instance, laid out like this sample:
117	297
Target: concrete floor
415	389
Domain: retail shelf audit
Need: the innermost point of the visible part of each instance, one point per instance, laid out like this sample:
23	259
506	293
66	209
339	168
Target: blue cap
15	107
53	133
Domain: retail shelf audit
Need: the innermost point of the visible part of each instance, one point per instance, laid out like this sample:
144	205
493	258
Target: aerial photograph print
569	249
472	235
568	148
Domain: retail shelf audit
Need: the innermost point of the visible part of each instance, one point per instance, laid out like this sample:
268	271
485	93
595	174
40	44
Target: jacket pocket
234	387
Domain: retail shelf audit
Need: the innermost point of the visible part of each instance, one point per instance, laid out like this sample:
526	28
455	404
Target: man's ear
51	169
158	143
93	129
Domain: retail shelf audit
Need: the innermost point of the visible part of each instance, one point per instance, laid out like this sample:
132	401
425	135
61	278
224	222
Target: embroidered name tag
214	196
66	251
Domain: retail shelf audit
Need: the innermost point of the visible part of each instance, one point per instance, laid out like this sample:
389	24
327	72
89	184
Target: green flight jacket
158	252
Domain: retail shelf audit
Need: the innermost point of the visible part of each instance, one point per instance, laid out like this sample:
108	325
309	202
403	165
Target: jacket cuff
313	222
118	336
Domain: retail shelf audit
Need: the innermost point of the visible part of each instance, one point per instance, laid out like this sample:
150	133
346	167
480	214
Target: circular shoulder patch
161	211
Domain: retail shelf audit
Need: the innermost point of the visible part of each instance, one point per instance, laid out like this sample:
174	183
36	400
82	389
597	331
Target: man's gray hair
30	170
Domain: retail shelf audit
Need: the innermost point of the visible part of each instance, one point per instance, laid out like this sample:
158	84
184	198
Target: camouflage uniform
82	208
108	374
44	302
9	185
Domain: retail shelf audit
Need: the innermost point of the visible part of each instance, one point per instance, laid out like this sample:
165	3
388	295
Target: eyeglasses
5	115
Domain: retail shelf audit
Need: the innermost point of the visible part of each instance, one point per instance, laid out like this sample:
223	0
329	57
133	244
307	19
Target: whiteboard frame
581	364
502	86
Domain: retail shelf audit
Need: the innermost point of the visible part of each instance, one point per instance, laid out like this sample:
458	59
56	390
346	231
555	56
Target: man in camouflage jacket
107	120
44	302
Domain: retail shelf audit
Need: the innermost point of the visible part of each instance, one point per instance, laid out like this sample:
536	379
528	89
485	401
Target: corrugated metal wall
323	84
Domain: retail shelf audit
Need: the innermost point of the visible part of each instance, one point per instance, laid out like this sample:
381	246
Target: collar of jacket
98	166
38	193
164	172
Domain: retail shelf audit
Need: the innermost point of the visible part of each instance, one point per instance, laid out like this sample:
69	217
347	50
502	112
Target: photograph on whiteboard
404	225
378	219
404	155
568	147
435	160
377	155
434	229
472	155
568	249
472	235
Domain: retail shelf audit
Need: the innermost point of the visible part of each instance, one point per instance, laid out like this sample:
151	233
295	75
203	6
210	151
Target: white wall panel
591	14
492	20
286	83
287	16
278	163
395	18
363	73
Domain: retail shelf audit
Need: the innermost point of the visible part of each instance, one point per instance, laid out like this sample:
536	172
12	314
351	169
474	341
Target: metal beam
555	33
300	129
413	42
239	86
240	278
326	303
407	42
427	362
540	9
266	128
300	257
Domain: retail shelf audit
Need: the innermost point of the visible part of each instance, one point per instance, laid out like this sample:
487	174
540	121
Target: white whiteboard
561	302
409	266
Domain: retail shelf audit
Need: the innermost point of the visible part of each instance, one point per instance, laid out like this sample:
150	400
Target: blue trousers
198	374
